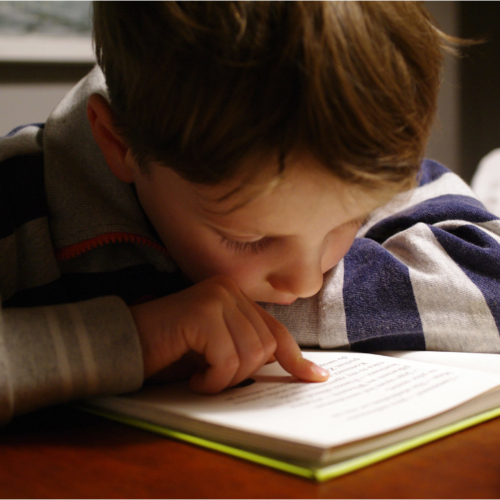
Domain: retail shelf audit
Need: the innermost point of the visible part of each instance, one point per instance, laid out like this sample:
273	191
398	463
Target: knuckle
214	296
257	352
231	363
270	345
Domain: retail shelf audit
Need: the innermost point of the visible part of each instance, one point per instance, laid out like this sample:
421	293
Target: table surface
62	452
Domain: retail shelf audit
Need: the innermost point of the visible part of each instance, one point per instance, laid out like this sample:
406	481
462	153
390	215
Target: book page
366	395
472	360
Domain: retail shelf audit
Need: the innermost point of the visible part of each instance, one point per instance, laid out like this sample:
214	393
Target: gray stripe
87	355
61	352
30	350
111	338
492	228
447	184
301	319
65	352
453	311
332	320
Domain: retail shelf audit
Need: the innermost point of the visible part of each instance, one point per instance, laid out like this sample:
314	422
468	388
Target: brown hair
202	86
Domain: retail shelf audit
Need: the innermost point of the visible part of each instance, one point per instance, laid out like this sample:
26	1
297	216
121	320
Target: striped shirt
76	249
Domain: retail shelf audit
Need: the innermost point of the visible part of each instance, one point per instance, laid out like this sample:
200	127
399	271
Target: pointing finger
289	356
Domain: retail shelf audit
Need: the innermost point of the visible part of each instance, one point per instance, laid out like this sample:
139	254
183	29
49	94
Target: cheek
337	250
196	250
202	256
247	271
243	269
199	258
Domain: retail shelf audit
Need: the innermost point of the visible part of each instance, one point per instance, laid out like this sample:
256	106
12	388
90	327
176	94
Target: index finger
288	352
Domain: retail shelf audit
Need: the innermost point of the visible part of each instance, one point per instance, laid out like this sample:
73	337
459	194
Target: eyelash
358	223
244	246
260	245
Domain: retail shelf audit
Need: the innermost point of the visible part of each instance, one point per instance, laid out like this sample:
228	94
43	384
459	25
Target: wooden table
64	453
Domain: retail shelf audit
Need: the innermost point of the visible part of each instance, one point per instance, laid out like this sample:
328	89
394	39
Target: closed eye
358	223
246	246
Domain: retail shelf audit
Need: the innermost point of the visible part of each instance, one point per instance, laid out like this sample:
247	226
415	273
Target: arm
424	273
54	354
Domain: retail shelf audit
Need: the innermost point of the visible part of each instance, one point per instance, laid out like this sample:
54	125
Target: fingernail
320	371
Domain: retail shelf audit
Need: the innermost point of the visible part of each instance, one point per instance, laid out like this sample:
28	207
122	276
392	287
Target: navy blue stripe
22	192
380	307
431	171
17	129
442	208
130	283
478	255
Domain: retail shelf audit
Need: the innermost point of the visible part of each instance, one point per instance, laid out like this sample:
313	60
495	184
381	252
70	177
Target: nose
301	276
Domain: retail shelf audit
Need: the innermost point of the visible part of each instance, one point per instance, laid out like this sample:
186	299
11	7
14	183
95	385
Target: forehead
304	195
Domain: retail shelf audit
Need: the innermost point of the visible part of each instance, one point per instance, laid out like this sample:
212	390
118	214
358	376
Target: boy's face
277	246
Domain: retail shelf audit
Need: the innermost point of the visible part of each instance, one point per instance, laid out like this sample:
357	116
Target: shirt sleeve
50	353
423	273
54	354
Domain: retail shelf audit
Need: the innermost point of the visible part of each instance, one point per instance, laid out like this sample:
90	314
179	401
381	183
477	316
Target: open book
373	406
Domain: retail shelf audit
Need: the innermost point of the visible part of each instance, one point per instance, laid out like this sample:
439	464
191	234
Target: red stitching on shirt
73	251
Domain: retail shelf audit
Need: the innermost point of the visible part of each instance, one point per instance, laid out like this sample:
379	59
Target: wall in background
37	101
29	92
44	49
480	83
444	141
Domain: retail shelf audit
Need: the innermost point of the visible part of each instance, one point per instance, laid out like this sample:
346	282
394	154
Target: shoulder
441	196
445	195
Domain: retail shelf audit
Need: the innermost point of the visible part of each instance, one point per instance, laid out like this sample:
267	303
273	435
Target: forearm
60	353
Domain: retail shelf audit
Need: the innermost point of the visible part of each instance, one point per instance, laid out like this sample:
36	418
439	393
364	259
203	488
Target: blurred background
45	49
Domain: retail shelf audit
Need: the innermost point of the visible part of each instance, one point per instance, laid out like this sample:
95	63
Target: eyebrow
253	192
217	210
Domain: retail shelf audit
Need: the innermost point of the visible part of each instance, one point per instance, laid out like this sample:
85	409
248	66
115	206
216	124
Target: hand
216	320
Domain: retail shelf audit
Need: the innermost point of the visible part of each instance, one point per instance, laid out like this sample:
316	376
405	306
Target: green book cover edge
319	474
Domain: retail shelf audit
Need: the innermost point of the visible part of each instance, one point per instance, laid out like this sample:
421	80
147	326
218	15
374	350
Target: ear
114	149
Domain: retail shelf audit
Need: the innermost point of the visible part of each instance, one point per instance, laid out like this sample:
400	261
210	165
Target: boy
228	154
